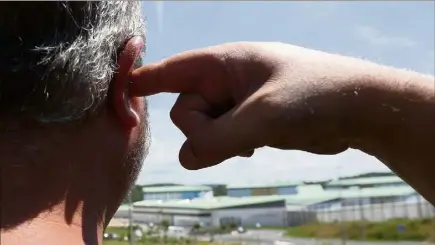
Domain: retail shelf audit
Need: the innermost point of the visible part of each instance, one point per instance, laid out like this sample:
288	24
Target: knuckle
175	114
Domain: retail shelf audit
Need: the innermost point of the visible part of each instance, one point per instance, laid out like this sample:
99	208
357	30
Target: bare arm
288	97
397	114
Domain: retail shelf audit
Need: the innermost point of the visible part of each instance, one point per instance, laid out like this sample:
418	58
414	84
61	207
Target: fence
368	212
418	222
378	212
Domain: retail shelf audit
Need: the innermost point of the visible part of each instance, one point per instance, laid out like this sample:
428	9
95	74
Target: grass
169	243
154	240
116	230
272	228
115	243
414	230
149	243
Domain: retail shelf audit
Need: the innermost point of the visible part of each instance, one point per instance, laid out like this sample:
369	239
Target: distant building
366	182
355	197
279	205
214	211
289	188
176	192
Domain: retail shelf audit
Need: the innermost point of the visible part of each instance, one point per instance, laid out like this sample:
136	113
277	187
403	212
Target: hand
237	97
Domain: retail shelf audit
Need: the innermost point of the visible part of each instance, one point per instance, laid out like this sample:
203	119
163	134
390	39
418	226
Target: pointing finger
178	74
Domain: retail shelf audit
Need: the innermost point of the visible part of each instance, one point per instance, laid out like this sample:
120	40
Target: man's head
72	139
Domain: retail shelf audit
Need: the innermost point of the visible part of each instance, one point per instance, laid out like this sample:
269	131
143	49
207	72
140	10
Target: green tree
220	190
233	225
223	228
137	194
196	227
164	225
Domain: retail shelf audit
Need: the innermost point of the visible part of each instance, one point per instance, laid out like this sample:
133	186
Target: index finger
178	74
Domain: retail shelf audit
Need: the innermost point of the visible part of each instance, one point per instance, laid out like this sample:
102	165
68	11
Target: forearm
396	111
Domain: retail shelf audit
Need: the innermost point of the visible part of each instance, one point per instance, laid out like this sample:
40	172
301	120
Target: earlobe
121	97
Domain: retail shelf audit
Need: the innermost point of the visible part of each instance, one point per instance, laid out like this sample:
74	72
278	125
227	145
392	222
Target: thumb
234	133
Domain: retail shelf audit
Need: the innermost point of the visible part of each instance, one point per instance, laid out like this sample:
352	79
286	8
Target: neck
51	228
69	212
61	199
62	184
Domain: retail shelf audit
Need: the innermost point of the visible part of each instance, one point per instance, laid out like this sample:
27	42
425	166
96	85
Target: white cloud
376	37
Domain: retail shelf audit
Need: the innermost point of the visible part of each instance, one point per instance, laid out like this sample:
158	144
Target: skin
71	178
234	98
237	97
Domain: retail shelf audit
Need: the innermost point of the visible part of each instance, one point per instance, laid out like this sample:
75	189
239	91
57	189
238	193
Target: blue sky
400	34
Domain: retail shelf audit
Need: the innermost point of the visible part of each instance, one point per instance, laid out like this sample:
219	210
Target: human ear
121	99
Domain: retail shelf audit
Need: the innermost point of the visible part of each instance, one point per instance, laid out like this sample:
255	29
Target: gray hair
57	59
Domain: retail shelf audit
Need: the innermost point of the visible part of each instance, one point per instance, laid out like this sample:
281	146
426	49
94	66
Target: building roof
176	188
272	185
312	194
307	200
365	181
209	203
377	192
307	195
